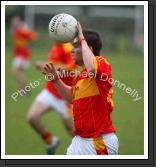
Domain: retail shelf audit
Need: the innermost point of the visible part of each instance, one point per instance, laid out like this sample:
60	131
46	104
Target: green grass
128	116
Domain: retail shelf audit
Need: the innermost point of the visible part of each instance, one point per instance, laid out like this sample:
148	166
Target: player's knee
69	127
35	112
31	117
16	71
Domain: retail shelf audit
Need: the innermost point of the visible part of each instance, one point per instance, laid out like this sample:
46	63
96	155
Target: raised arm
87	54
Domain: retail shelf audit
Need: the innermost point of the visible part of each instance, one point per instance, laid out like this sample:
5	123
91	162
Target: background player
49	98
21	35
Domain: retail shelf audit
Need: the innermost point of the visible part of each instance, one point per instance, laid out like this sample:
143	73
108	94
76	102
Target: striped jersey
92	100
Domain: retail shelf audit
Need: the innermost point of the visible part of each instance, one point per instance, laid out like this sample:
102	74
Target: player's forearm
41	64
88	57
63	89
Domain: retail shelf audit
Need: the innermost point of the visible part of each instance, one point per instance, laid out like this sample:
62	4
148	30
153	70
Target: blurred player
91	96
49	98
21	36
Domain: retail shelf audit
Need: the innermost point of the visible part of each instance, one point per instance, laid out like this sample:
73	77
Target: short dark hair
93	40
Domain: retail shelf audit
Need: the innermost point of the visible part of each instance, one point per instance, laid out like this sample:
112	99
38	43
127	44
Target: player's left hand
51	74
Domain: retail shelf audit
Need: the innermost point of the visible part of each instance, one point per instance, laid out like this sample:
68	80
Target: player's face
77	52
16	21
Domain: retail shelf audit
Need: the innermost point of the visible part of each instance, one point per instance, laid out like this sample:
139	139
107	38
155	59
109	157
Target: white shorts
20	62
106	144
53	102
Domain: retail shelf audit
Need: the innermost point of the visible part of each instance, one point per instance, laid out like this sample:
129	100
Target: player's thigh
37	109
102	145
73	147
43	102
19	63
54	103
106	144
59	105
112	143
81	146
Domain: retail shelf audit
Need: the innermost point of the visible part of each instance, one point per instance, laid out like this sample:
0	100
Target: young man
49	98
21	35
91	96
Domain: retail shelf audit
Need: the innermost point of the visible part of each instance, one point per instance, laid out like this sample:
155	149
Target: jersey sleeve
56	55
60	54
103	70
27	34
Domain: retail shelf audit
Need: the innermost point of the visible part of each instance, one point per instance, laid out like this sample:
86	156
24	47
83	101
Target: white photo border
145	4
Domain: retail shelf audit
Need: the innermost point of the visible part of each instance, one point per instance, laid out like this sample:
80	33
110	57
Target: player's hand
50	73
79	30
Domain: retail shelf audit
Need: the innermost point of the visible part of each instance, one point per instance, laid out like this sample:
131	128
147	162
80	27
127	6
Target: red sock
47	138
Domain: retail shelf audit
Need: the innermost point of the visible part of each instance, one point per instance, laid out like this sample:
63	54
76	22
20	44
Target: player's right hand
50	73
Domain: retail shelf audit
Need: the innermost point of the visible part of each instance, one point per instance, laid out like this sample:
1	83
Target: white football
62	28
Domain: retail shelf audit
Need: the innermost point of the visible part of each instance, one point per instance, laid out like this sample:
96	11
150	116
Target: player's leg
65	111
19	65
68	124
34	118
106	144
19	75
73	147
112	143
38	108
81	146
